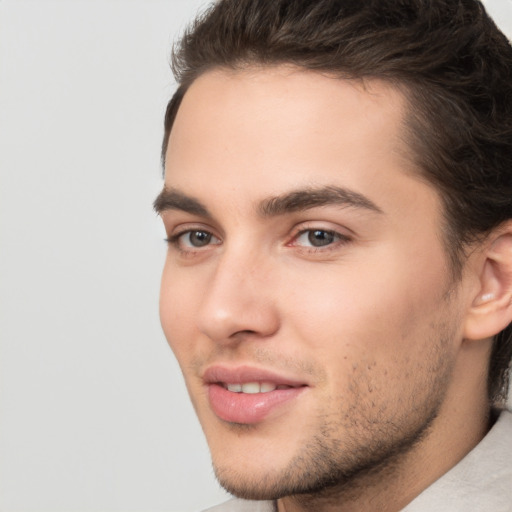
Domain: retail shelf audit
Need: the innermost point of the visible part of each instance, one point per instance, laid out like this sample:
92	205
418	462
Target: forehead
280	126
288	102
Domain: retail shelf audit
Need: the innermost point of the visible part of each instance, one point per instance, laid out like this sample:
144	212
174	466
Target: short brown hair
448	56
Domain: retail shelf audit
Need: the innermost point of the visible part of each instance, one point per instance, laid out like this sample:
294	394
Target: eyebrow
304	199
289	202
171	199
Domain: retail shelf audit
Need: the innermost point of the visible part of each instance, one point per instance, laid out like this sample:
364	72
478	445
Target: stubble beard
370	448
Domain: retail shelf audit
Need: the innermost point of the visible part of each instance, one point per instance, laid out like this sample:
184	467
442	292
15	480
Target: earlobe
491	308
484	298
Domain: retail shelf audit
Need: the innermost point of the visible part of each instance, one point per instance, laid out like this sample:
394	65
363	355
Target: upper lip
242	374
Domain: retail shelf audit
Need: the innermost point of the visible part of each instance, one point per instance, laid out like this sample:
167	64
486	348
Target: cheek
178	302
380	310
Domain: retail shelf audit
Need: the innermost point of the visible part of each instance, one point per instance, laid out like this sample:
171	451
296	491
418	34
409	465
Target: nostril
243	333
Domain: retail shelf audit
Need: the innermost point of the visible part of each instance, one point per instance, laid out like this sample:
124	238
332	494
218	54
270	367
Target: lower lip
245	408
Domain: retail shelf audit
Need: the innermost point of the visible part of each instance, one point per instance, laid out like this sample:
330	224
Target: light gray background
93	412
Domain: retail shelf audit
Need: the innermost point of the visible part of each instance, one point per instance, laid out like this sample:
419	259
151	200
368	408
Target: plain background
93	412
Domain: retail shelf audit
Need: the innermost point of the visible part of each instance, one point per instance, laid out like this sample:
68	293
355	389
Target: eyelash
338	239
174	241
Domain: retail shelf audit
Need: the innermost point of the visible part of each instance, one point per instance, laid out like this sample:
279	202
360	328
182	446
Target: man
338	285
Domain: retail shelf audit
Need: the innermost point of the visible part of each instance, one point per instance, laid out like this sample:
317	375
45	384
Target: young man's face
306	292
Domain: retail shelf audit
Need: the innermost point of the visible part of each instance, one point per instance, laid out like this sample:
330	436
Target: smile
249	395
252	388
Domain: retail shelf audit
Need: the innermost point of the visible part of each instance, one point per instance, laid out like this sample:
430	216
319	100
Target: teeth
253	387
267	386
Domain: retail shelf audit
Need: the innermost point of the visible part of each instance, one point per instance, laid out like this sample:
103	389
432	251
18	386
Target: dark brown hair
449	58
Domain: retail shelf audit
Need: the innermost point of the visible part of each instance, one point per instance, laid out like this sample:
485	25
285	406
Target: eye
317	237
193	239
196	238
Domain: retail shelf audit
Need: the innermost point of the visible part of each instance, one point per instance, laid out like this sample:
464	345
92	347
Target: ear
491	309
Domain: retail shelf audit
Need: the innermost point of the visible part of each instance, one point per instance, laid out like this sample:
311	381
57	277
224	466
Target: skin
371	322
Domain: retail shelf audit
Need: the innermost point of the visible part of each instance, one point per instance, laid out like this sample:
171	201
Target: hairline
454	248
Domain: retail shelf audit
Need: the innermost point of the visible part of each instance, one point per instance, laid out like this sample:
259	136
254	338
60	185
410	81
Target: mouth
252	388
246	395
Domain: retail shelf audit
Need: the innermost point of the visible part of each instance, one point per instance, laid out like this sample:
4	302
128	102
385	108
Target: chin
320	467
255	468
254	486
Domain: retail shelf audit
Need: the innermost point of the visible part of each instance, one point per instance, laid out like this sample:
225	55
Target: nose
239	300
